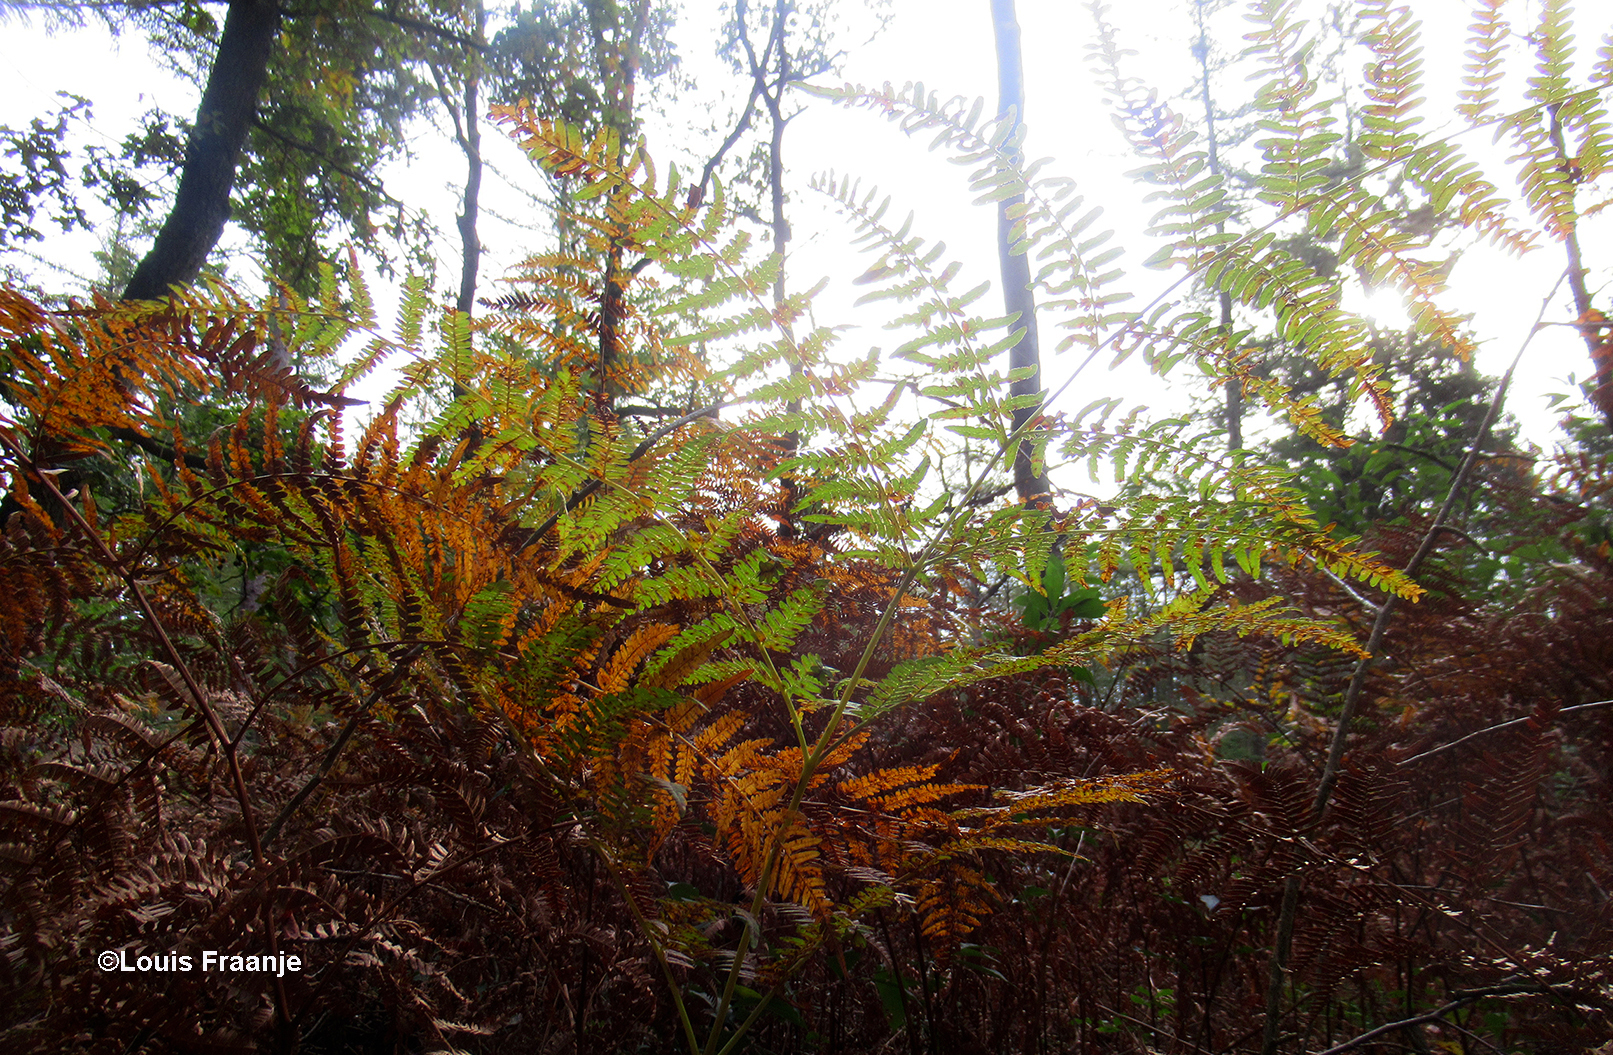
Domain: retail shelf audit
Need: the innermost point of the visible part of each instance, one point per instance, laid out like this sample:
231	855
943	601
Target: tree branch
431	29
151	446
335	166
1432	1016
697	193
1495	729
1590	322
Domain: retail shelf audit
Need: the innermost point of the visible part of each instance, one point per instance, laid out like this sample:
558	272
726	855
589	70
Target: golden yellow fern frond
1024	807
683	663
798	874
952	904
881	781
746	812
901	789
617	672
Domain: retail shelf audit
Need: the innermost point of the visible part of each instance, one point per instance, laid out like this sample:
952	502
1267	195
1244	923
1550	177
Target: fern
569	631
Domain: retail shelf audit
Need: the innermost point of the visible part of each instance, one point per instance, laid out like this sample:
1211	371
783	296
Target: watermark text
278	965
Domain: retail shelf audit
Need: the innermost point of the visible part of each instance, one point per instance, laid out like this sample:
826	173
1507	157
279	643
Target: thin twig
1441	462
1380	626
215	727
335	166
431	29
1354	595
1278	971
526	538
385	686
151	446
1495	729
1432	1016
697	193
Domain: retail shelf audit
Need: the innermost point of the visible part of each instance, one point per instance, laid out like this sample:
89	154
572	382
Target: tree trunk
1234	394
1016	268
469	238
229	103
1594	327
469	133
618	49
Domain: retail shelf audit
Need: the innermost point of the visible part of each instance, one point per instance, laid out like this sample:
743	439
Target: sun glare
1384	308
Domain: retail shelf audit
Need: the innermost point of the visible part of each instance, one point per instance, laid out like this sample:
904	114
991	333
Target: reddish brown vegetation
445	881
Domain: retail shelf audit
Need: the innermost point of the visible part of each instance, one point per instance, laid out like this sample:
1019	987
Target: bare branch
431	29
1495	729
1433	1016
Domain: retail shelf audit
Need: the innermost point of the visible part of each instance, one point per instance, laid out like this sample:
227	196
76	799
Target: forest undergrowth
652	672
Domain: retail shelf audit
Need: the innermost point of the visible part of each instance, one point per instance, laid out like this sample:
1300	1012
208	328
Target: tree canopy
660	667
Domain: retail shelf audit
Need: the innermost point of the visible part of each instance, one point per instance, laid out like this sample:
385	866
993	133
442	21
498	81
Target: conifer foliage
527	726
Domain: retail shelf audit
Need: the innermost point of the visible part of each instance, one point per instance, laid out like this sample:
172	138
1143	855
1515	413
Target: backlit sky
948	45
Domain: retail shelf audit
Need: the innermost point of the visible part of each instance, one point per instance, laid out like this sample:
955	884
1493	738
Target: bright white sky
947	44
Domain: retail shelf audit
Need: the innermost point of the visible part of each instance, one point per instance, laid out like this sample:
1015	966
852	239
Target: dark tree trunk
1016	269
618	49
465	113
230	101
469	239
202	204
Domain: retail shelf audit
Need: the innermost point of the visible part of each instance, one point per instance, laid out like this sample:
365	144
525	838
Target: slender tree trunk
469	239
229	103
774	101
1234	395
773	98
768	85
464	112
618	46
1234	386
1594	327
1016	269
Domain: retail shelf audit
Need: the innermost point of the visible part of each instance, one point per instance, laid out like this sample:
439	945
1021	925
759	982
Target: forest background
657	664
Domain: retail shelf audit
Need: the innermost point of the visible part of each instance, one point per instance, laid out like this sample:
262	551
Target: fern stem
750	1020
222	743
386	685
809	767
655	947
1278	971
827	739
740	952
215	727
